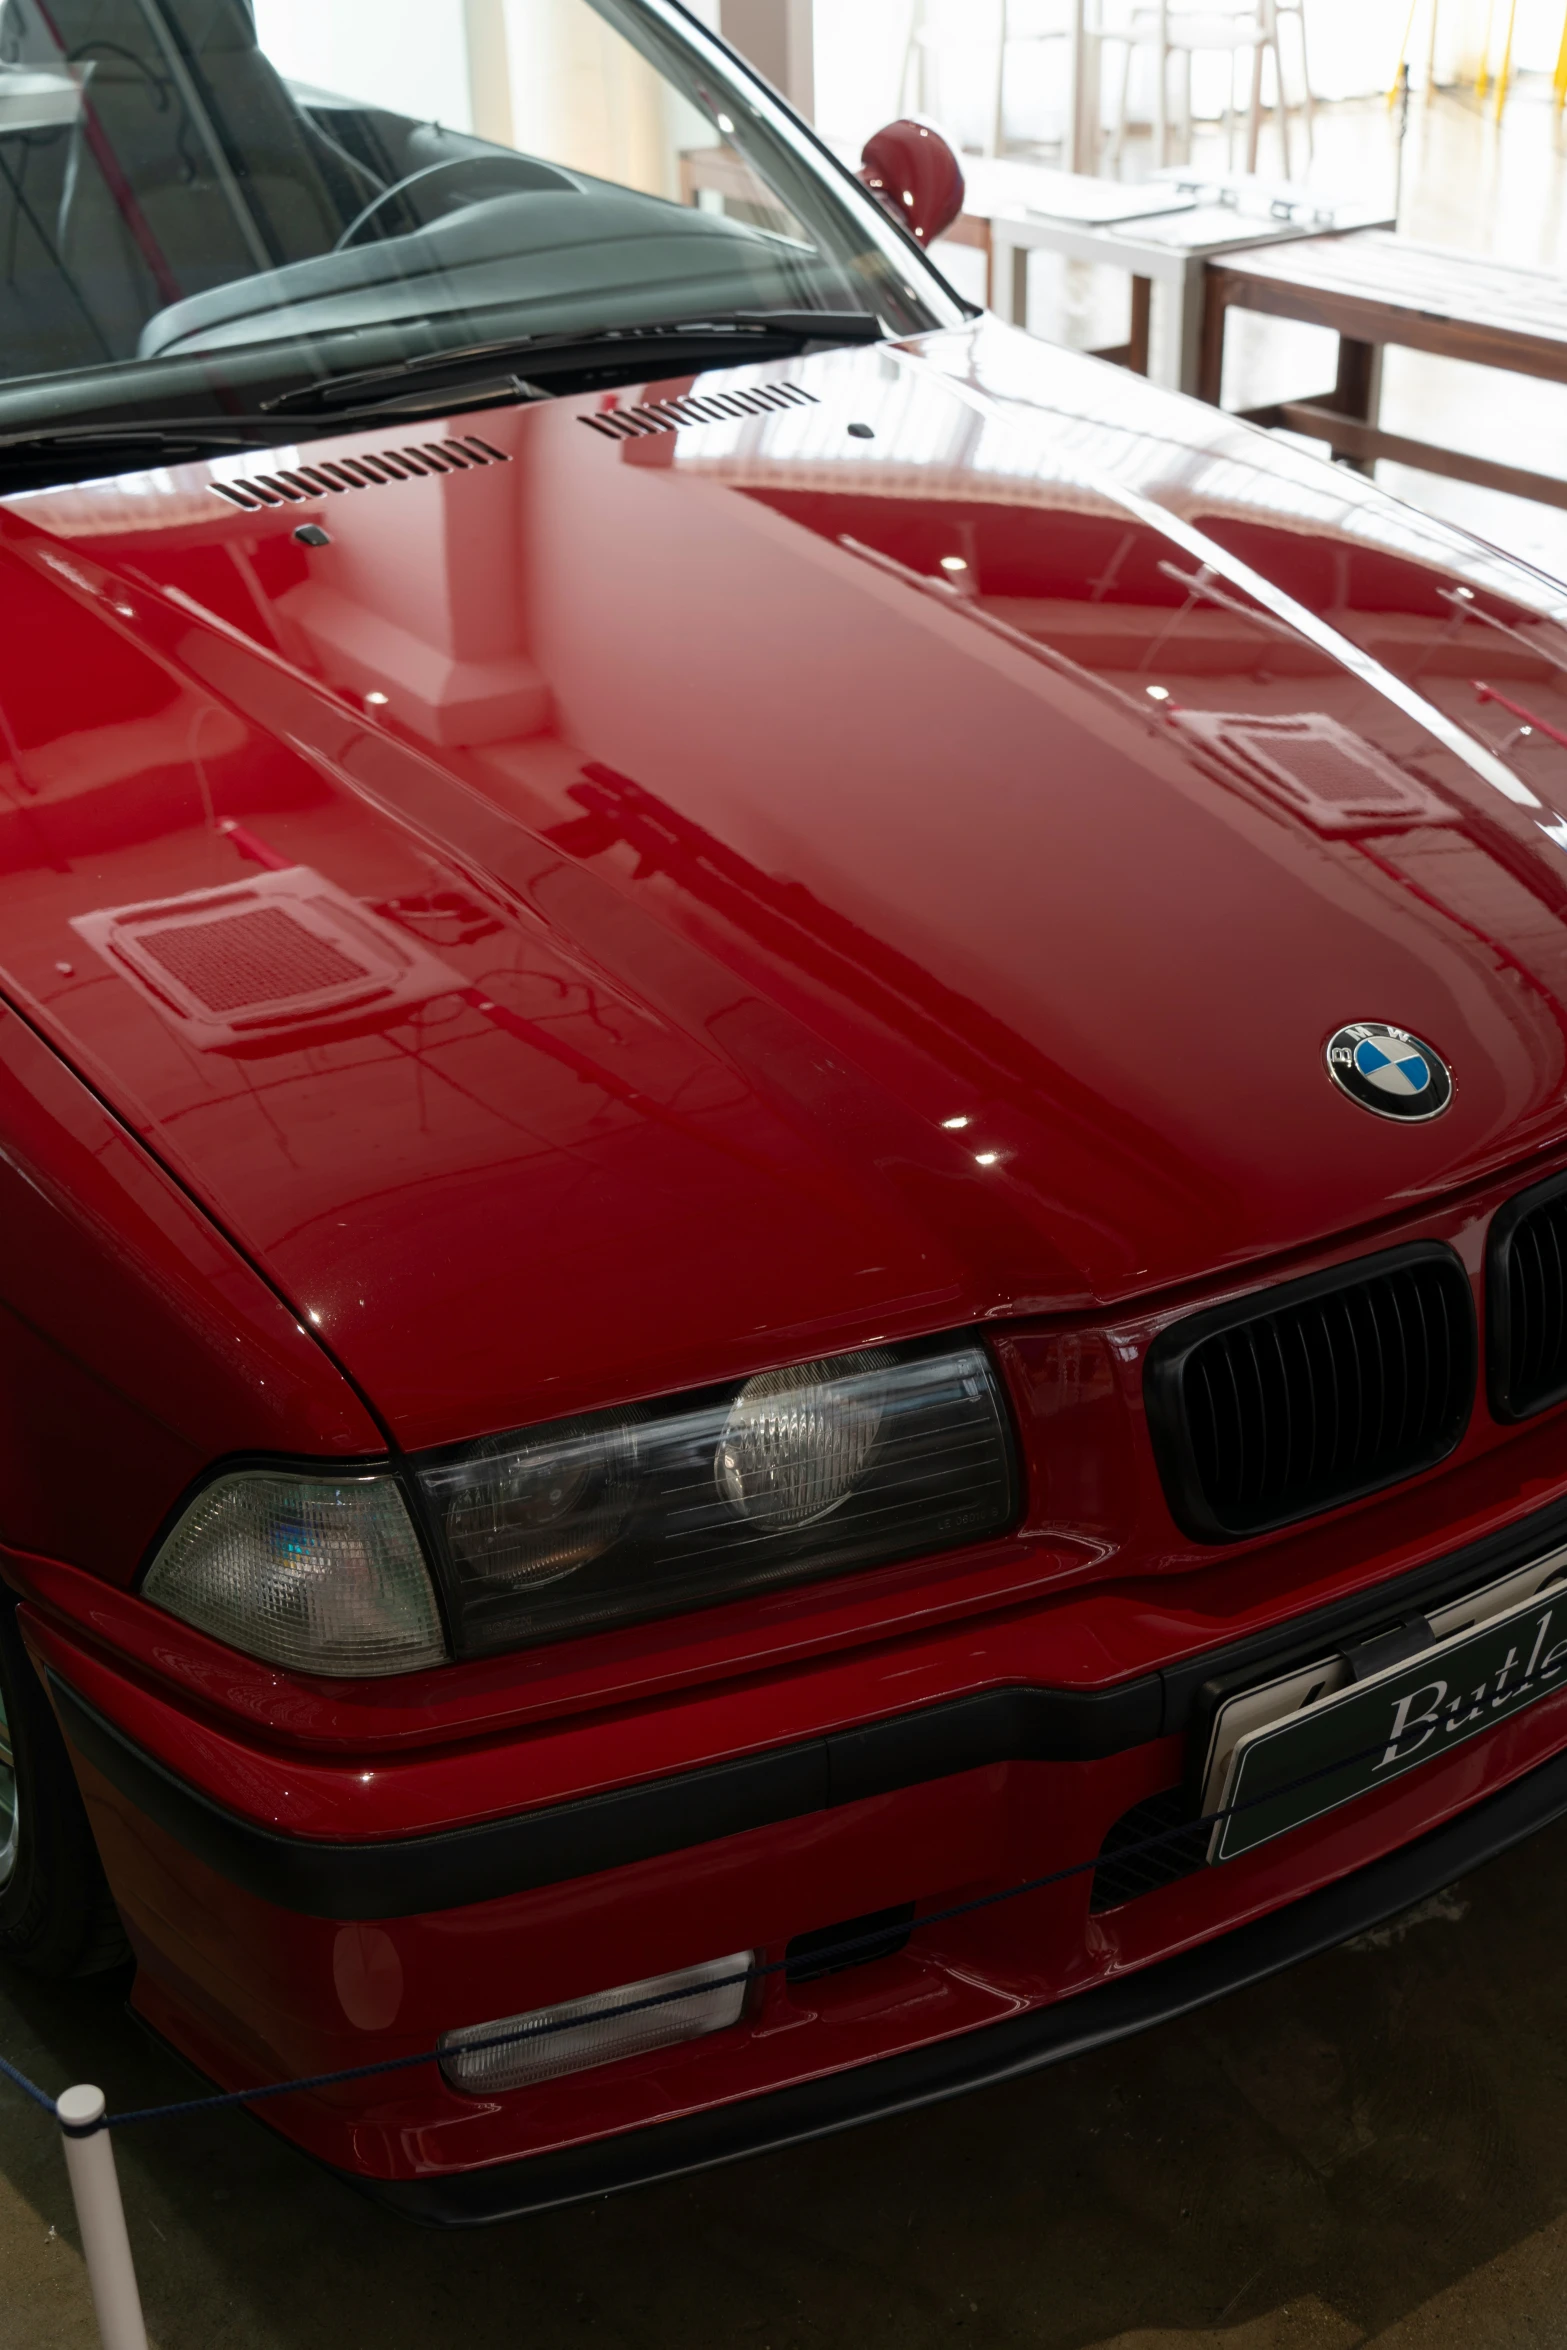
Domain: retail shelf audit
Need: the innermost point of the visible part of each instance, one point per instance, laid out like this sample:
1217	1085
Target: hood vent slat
630	424
296	485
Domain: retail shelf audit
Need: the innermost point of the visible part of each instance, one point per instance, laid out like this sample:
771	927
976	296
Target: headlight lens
796	1443
319	1574
837	1464
535	1513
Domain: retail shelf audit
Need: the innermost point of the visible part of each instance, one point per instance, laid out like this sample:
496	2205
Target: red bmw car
783	1124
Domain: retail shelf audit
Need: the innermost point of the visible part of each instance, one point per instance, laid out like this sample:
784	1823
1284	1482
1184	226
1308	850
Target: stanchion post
101	2216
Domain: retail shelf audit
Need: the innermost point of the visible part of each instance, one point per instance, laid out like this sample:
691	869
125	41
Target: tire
57	1916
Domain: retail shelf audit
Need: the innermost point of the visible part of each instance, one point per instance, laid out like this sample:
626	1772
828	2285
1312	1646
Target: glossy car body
825	931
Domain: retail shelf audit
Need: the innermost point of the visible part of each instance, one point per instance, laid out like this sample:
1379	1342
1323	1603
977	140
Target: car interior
191	199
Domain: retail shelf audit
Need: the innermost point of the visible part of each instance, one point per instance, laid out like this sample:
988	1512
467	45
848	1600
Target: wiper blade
150	444
736	332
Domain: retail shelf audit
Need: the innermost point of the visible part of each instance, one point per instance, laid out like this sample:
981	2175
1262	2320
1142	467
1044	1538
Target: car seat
190	163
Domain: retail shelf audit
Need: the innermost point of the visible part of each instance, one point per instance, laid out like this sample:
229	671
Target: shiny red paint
838	896
135	1344
254	1994
692	775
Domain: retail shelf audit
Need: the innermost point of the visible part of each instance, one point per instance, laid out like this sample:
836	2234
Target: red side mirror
913	171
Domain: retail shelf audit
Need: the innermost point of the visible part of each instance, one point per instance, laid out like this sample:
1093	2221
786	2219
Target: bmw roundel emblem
1389	1071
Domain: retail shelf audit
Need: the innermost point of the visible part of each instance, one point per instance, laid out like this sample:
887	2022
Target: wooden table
1166	235
1011	207
1374	288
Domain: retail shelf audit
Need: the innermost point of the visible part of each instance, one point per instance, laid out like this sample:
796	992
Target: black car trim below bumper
995	2052
409	1876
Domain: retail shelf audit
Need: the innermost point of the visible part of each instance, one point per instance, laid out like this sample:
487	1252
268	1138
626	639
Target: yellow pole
1506	74
1559	78
1403	52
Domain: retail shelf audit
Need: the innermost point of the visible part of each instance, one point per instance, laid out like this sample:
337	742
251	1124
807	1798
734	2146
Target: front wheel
56	1913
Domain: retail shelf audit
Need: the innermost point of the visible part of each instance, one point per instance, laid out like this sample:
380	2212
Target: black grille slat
1325	1387
1553	1313
1527	1293
1526	1280
1319	1392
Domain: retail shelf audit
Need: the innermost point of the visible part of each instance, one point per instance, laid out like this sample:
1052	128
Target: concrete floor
1371	2149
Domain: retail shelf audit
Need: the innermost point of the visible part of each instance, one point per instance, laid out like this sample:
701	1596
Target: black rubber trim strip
997	2052
412	1875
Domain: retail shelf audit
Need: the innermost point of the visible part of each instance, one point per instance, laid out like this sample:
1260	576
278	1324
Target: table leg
1018	286
1357	390
1210	366
1142	317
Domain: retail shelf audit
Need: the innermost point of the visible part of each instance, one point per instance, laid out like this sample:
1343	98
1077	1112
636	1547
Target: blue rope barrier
822	1959
27	2087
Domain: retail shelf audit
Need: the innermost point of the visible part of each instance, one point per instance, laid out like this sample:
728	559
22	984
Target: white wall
409	55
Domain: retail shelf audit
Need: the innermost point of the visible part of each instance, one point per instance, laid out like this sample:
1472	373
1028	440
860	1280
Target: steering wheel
531	173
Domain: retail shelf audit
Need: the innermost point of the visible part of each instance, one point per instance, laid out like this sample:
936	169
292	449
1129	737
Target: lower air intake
1151	1846
1526	1289
1318	1393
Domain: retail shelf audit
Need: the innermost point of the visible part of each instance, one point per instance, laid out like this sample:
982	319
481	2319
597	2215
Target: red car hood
658	898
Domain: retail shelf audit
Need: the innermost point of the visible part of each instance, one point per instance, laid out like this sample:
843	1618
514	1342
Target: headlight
319	1574
850	1462
796	1443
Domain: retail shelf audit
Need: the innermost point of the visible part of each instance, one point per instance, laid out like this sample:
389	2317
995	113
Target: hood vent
1318	769
631	424
266	963
302	484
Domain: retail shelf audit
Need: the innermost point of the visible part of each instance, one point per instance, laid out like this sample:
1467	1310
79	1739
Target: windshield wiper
120	447
740	334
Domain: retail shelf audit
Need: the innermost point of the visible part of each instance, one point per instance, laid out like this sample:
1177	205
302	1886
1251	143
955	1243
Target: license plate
1296	1747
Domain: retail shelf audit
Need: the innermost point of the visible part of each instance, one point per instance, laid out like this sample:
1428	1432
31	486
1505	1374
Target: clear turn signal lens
549	2041
318	1574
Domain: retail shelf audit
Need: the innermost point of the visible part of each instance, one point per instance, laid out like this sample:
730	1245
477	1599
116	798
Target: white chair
1297	10
1171	31
1026	24
1017	24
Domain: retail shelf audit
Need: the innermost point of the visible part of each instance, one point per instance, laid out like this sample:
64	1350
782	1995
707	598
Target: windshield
206	203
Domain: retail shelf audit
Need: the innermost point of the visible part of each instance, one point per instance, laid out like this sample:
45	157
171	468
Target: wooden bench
1374	288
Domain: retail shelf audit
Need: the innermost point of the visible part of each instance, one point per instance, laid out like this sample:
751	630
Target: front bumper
1001	2052
408	1877
267	1956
